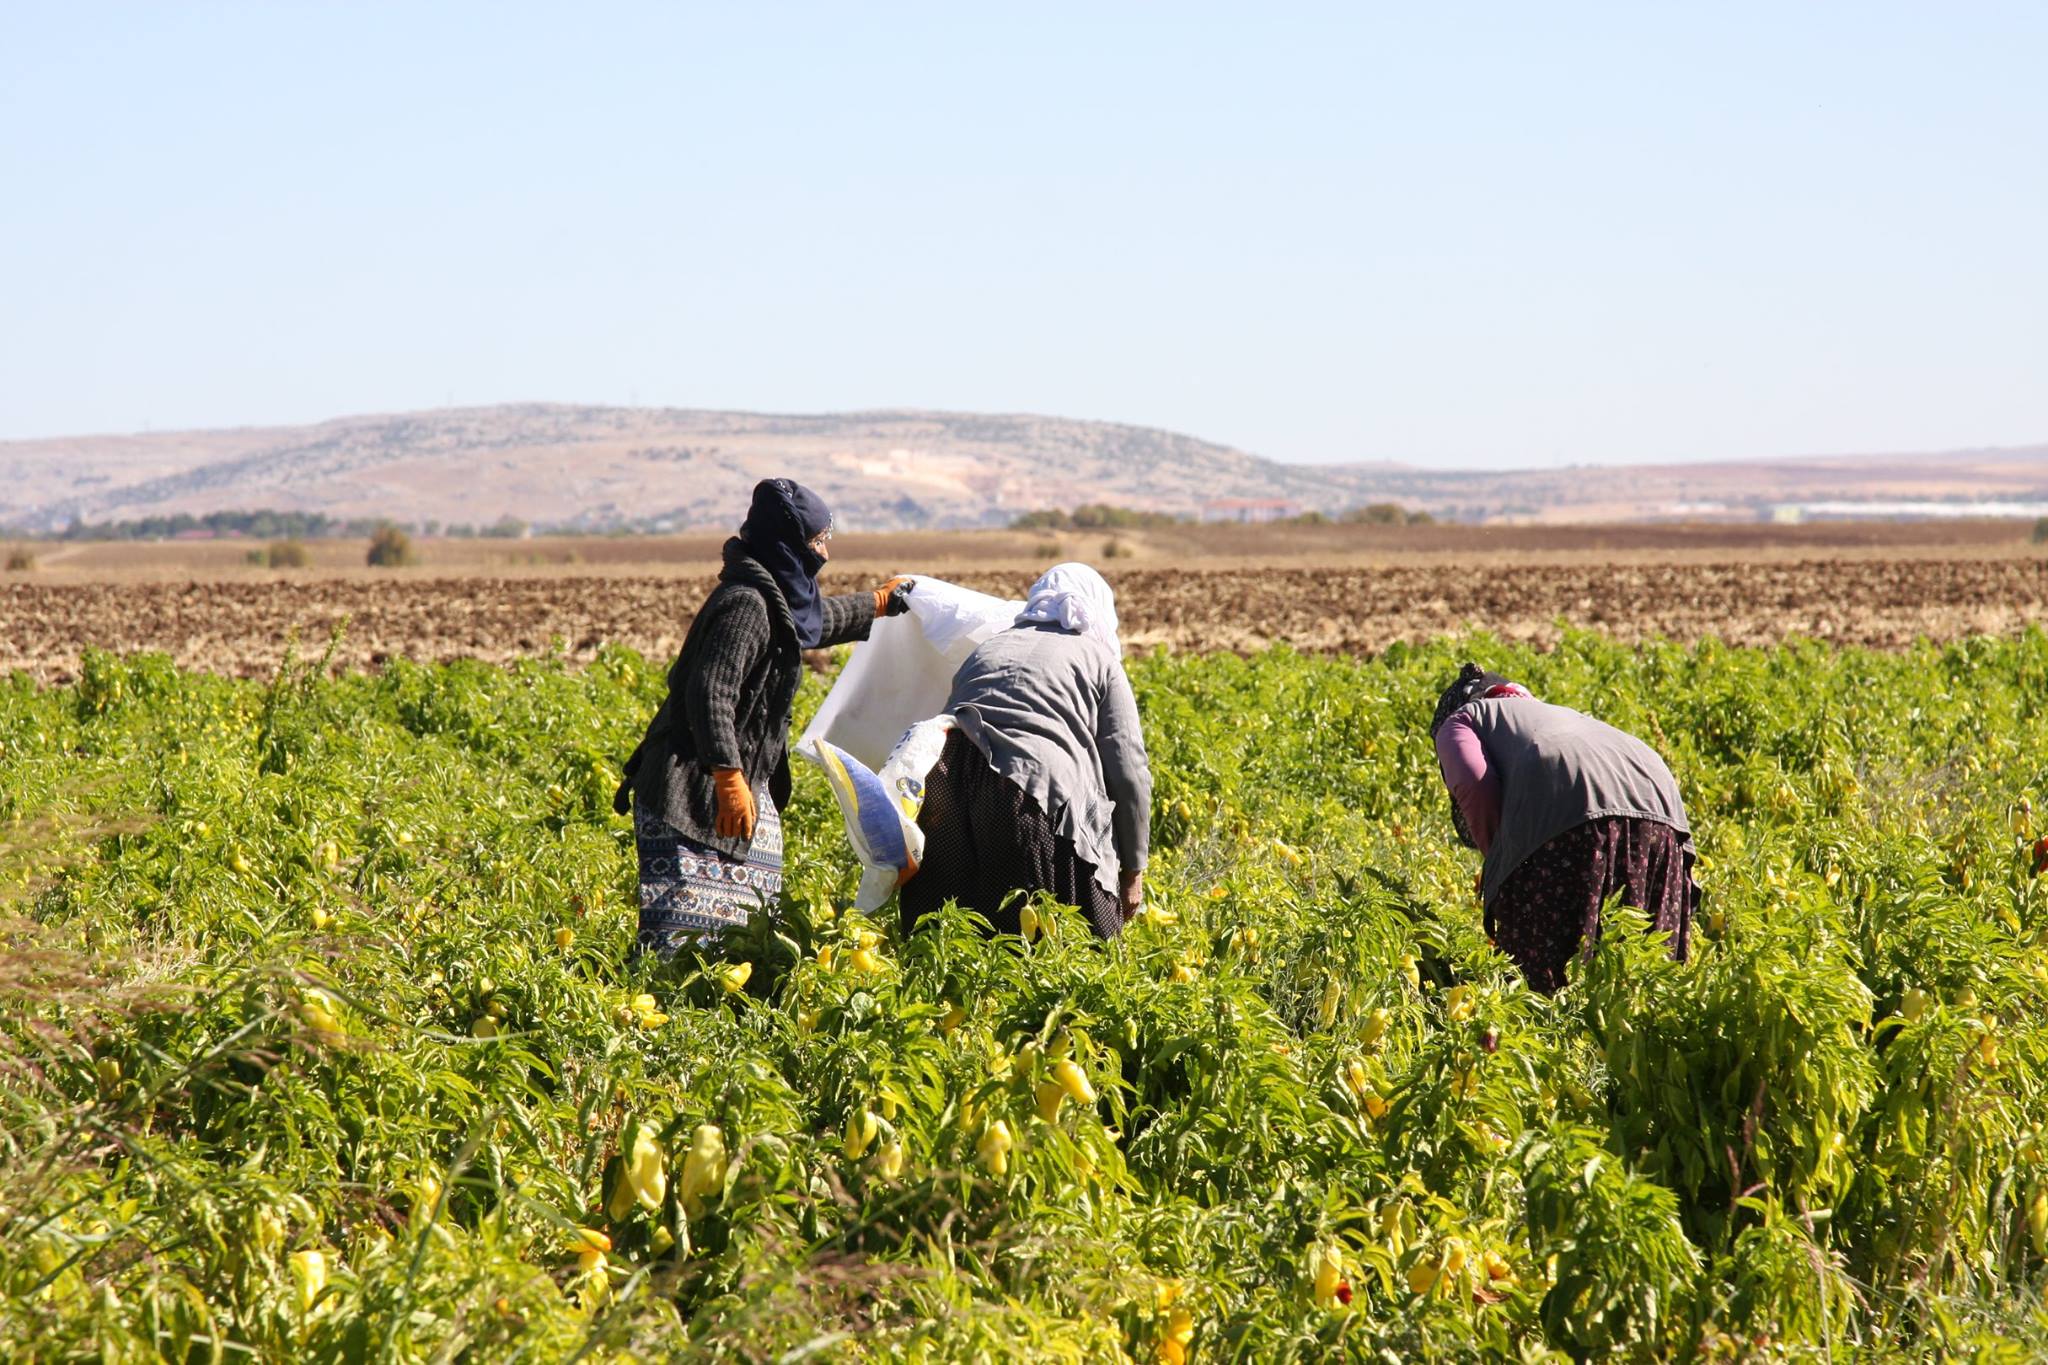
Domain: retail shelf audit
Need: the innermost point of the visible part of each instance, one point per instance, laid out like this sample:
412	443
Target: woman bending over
1568	810
1045	784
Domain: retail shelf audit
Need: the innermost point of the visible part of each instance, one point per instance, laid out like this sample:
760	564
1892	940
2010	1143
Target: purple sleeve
1474	786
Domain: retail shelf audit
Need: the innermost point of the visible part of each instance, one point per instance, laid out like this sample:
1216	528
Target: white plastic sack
904	672
880	808
880	729
909	763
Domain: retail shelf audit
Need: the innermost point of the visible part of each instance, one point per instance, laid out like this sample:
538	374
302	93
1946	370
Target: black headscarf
1473	682
783	520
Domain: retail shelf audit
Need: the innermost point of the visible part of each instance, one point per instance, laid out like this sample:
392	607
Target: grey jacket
1560	768
1053	712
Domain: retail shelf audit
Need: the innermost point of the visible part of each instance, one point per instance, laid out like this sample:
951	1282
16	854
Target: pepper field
319	1039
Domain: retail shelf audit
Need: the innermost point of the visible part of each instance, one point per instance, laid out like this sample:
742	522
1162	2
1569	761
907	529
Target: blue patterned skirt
689	893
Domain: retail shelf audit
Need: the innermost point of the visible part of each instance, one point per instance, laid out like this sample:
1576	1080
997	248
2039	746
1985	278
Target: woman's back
1035	685
1053	713
1559	768
1044	785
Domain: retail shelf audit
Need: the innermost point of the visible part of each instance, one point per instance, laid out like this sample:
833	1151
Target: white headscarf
1076	599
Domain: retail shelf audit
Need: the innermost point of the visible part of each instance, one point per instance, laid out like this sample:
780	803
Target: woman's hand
736	811
1130	892
893	597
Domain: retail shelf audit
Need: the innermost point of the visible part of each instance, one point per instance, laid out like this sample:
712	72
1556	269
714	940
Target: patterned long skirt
688	892
1550	905
986	841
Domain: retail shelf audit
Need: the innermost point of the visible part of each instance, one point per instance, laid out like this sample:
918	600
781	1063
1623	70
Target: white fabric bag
904	672
880	729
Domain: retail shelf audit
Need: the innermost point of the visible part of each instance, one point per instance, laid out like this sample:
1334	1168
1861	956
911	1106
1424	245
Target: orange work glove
736	811
892	598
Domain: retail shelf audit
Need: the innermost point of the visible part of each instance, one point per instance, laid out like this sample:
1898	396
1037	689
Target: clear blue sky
1474	234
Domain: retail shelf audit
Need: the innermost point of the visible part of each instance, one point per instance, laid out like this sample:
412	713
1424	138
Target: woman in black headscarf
707	782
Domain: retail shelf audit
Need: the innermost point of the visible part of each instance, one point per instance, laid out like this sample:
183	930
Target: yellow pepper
1174	1338
643	1177
993	1147
858	1134
309	1272
1050	1096
1326	1272
1376	1025
1333	996
703	1169
1073	1080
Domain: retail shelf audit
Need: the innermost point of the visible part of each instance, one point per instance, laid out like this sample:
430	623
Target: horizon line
2022	448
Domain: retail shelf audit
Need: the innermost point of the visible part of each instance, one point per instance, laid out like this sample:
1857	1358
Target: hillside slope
599	468
592	469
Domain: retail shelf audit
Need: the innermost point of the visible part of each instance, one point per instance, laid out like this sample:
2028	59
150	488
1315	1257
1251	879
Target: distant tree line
1094	516
265	524
1372	514
1386	514
1103	517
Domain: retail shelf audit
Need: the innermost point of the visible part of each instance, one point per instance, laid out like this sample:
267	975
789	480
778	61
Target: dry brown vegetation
1211	545
1339	589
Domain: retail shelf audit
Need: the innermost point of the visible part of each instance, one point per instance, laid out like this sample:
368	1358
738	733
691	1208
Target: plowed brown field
240	625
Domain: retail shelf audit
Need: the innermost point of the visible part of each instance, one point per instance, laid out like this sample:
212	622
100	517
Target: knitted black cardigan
730	691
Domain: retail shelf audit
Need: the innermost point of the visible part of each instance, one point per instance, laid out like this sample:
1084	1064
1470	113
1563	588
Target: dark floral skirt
986	840
688	892
1550	905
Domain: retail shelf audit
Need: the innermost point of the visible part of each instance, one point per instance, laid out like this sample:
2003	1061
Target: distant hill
584	468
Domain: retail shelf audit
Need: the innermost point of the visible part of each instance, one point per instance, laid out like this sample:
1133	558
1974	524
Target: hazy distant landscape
596	469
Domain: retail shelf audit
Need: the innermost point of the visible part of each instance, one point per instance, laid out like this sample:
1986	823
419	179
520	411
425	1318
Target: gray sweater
1559	768
1053	713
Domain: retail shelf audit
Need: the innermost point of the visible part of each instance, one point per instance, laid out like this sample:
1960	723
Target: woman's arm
1127	773
848	617
1474	785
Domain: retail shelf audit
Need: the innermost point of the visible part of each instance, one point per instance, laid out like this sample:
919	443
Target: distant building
1250	510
